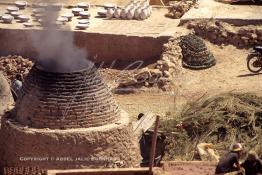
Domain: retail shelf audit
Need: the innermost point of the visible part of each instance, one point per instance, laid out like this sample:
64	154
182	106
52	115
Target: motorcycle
254	60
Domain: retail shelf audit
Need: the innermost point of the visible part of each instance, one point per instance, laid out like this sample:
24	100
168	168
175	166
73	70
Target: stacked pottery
131	13
69	16
110	13
137	13
117	13
83	5
85	15
62	20
21	4
23	18
102	12
7	19
134	10
76	11
123	13
15	14
12	9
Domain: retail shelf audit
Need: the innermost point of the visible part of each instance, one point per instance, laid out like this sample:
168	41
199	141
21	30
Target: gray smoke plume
56	49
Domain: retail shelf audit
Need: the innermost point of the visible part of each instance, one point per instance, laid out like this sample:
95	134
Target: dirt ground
229	75
188	168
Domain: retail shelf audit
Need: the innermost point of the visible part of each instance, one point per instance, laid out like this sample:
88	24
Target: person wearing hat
230	162
16	86
252	164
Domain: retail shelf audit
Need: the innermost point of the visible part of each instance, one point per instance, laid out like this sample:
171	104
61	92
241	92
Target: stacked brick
66	100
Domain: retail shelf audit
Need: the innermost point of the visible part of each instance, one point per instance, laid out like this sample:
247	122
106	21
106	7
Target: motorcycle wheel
251	60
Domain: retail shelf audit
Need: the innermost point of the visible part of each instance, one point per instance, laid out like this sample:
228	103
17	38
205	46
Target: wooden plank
116	171
153	150
144	123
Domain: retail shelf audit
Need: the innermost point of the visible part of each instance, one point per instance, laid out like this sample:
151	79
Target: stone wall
107	146
224	33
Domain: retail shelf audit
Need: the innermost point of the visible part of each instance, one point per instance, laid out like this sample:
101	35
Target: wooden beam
153	147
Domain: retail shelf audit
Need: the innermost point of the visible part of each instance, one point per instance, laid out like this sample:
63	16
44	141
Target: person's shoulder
233	155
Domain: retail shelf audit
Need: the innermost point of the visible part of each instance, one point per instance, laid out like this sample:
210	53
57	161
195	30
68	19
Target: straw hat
236	147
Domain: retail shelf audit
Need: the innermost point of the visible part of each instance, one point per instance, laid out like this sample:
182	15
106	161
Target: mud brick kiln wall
68	115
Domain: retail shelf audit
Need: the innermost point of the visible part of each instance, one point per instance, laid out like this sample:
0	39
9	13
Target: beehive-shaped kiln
195	53
68	120
66	100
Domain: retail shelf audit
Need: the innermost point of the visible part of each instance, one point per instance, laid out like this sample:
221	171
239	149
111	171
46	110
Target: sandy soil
229	75
188	168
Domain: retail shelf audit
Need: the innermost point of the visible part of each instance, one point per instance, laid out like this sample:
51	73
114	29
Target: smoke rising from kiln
56	49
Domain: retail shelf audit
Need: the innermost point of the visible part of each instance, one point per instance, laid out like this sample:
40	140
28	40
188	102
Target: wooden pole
153	146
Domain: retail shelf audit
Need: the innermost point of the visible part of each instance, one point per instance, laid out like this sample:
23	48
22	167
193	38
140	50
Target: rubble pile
13	65
224	33
195	53
162	72
178	9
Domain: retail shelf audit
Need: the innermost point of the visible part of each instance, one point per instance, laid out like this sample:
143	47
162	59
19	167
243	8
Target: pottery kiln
67	120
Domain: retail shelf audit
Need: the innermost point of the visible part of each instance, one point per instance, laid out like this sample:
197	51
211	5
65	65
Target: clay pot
83	5
63	20
85	14
21	4
83	21
27	24
117	13
82	26
69	16
15	14
102	12
143	14
137	13
12	9
7	19
24	18
110	13
123	13
76	11
130	14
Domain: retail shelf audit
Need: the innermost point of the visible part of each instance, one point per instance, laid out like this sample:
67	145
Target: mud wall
112	145
100	47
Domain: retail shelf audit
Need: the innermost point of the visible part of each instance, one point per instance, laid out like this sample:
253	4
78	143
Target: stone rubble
223	33
162	72
13	65
178	9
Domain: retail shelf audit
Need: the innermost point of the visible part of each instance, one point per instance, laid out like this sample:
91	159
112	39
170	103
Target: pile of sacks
13	65
162	72
178	9
134	10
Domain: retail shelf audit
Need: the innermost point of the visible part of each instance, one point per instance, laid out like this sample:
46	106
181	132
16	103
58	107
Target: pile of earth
178	8
222	120
10	66
159	74
224	33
